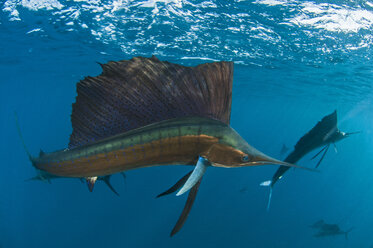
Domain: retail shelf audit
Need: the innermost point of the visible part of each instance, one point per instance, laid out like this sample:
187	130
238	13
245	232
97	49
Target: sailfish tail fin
268	184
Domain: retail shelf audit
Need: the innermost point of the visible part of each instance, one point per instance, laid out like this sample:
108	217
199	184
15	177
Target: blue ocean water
295	62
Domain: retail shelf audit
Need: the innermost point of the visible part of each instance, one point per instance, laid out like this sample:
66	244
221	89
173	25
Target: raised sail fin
319	132
137	92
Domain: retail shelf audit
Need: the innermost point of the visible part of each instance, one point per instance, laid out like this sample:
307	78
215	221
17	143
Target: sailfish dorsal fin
137	92
317	134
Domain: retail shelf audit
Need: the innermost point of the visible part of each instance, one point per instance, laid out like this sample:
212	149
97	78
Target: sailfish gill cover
295	62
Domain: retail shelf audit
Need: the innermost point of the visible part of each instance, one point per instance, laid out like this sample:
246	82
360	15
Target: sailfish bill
145	112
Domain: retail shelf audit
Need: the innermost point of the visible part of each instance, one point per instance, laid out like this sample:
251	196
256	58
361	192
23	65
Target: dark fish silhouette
318	224
323	134
284	149
145	112
331	230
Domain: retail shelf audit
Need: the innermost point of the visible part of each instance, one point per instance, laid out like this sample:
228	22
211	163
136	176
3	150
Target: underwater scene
261	110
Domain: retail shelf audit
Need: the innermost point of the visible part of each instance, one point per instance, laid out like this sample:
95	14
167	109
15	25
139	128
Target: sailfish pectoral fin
188	206
196	175
317	154
322	157
176	186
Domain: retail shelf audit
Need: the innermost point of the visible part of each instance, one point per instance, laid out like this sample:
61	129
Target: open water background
295	62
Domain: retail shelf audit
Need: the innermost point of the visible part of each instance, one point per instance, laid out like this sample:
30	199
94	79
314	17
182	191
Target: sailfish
323	134
145	112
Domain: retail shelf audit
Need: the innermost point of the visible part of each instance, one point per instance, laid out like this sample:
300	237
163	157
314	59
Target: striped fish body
176	141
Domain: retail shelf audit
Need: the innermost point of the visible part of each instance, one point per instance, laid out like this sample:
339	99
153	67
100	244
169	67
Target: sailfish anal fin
106	180
137	92
91	182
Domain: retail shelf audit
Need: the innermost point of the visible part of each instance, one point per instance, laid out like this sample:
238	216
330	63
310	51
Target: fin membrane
91	182
106	179
269	198
317	154
196	175
134	93
322	157
188	206
266	183
176	186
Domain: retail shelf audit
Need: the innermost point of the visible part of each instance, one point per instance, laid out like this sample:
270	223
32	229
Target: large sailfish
145	112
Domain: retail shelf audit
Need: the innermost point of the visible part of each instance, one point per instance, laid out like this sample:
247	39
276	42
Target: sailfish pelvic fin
176	186
188	206
322	157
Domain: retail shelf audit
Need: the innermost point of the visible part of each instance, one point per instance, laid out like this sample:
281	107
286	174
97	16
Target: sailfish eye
245	158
